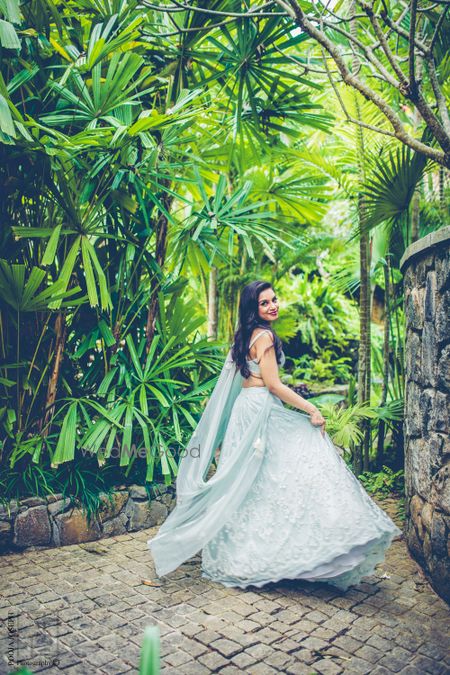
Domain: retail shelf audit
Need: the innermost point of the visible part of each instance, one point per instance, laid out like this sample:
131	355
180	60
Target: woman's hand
318	421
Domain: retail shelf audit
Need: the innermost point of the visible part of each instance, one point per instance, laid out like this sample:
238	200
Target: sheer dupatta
203	506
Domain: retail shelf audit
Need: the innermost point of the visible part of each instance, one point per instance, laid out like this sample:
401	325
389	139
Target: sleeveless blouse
253	365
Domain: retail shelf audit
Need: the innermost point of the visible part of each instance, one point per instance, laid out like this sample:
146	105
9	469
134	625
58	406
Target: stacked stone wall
57	521
426	268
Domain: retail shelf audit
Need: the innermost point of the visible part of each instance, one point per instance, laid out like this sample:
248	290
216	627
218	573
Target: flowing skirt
306	515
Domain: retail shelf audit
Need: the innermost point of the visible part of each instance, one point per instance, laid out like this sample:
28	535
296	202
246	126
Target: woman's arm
265	352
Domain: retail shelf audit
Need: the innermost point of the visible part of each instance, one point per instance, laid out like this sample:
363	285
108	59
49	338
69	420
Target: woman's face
268	305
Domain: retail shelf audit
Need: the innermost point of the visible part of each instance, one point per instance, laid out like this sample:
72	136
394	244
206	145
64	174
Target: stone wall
426	269
55	521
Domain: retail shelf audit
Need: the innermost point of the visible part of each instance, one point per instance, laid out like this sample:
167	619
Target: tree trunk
438	124
415	214
386	344
160	257
364	371
212	304
58	349
364	376
415	202
442	202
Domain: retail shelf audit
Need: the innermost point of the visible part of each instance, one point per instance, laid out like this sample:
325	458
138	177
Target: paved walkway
82	609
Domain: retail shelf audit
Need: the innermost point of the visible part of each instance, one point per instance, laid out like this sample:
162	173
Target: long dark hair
249	319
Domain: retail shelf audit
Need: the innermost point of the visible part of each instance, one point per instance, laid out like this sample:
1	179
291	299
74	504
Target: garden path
82	609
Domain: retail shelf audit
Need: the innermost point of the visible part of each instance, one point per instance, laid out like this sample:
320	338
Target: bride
282	503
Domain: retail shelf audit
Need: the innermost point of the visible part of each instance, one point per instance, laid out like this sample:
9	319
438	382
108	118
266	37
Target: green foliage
83	486
323	325
389	191
344	414
325	368
325	317
383	482
80	481
135	159
343	421
149	662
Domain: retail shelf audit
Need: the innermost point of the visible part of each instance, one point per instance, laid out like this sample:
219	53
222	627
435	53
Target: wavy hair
249	319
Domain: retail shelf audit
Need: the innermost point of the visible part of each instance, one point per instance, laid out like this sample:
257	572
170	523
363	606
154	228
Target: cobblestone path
82	609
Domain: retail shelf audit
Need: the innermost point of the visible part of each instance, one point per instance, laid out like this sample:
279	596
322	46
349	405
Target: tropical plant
153	161
383	482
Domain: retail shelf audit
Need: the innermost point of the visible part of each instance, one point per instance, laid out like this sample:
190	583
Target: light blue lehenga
282	503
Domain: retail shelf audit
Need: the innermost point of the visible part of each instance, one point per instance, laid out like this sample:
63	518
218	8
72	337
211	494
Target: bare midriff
253	380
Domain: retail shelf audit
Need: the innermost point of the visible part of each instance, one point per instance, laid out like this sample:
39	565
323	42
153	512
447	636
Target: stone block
6	534
427	515
440	413
430	296
112	505
436	443
116	526
420	528
442	267
59	506
443	370
440	572
410	488
54	497
424	409
167	499
414	545
73	528
424	468
413	350
442	318
414	307
428	355
418	466
438	535
33	501
415	506
422	266
144	514
440	488
427	548
413	416
138	492
32	528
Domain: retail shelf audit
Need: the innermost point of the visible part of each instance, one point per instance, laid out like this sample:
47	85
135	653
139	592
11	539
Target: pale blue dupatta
203	506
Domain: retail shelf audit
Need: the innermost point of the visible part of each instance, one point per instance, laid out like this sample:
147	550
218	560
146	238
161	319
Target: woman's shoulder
261	339
262	329
259	330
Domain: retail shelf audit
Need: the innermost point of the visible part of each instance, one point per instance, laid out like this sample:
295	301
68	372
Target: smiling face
268	305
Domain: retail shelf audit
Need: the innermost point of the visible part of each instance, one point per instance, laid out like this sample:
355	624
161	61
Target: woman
282	503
